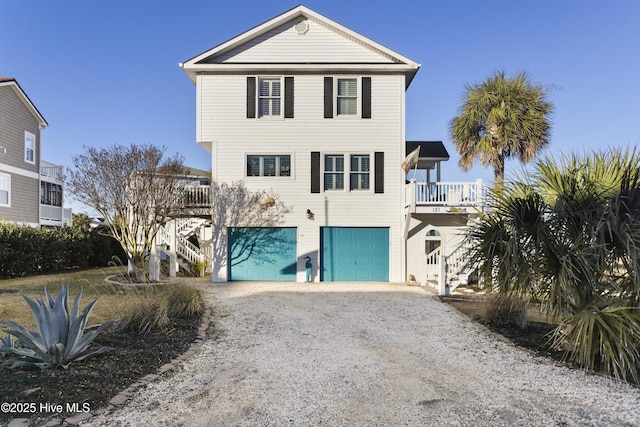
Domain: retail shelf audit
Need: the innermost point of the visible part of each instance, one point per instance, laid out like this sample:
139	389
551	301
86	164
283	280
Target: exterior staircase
445	273
173	241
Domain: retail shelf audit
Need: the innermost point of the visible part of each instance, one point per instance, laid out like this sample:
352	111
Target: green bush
27	251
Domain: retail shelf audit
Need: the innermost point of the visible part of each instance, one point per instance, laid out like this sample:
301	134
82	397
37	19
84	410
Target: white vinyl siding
320	44
347	97
222	124
29	147
269	96
5	190
268	165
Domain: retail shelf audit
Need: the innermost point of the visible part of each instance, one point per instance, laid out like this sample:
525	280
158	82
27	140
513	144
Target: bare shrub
505	309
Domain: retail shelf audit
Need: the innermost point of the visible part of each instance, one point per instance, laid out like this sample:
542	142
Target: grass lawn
112	299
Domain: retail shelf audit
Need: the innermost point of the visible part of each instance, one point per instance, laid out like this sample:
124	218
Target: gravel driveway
365	354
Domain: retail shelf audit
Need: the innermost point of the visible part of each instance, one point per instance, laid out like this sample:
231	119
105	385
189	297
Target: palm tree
501	118
569	236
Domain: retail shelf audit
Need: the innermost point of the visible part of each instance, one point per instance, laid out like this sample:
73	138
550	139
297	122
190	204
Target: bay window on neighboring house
29	147
50	194
268	165
5	190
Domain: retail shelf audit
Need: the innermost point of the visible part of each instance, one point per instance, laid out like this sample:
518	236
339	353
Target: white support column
442	275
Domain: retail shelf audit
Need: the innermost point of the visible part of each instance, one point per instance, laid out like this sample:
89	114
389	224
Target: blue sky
107	72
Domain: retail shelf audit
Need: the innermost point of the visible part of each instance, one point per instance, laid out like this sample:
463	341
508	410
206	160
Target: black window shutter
328	97
315	171
379	171
251	97
366	97
288	97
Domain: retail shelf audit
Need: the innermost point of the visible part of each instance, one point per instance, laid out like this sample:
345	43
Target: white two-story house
316	112
31	190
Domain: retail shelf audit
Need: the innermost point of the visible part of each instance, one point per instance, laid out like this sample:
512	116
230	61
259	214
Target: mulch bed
93	382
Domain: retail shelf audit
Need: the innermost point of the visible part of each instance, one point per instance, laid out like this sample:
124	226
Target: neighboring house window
5	190
360	172
343	97
333	172
269	165
29	147
269	97
265	97
50	194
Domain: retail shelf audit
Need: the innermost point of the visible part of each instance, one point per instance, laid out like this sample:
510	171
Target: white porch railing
52	172
197	196
444	193
56	214
447	271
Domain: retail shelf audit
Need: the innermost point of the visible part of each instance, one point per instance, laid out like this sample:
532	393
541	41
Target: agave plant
61	337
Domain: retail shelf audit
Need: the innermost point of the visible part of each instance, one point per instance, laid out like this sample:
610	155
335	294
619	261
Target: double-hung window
5	190
347	97
269	165
269	96
29	147
333	172
360	171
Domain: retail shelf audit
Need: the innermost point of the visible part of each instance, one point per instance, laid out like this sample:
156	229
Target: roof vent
302	27
3	151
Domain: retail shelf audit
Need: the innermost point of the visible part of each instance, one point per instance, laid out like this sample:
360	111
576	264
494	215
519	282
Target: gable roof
13	83
255	49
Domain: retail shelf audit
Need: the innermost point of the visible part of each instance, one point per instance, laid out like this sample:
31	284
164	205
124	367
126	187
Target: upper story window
5	190
266	97
333	172
269	165
269	100
347	97
50	194
365	172
29	147
360	170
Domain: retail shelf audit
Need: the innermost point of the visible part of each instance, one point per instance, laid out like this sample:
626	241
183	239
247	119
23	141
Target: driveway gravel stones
364	354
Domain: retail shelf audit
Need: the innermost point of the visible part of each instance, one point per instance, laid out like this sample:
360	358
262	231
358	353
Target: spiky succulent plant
61	337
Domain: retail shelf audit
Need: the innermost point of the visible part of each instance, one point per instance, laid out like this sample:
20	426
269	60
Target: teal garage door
355	254
262	254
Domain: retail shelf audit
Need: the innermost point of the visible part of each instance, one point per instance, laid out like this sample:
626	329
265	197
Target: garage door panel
355	254
264	254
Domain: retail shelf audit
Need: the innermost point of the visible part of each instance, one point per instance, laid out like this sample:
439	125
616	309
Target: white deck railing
52	172
445	193
197	196
55	213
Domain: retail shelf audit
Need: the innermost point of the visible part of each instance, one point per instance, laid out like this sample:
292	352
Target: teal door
354	254
262	254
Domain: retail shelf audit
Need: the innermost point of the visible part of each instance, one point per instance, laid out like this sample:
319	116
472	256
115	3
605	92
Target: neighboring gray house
31	190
